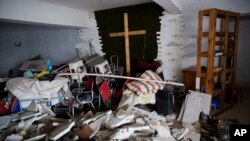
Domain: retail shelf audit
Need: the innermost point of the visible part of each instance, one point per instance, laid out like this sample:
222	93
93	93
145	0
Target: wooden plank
199	46
211	45
204	54
127	44
236	31
234	14
130	33
216	54
218	72
221	13
224	61
205	34
217	92
205	12
219	43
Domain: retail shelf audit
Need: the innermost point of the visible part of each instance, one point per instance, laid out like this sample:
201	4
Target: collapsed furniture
81	88
27	90
97	64
127	122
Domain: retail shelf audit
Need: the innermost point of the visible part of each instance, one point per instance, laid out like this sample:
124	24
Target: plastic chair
105	92
77	67
103	68
83	94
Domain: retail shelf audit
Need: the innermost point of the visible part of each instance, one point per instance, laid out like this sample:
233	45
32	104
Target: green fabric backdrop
140	17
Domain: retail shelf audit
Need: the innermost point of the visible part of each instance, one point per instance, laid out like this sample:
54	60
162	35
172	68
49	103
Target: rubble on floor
127	122
124	124
130	123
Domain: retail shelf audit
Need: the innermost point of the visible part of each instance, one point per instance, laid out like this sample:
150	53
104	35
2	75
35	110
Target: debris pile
131	124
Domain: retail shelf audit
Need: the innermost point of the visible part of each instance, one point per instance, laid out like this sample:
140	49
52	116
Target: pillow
146	87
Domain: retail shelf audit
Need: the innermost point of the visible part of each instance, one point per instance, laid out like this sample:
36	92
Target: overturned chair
81	87
105	91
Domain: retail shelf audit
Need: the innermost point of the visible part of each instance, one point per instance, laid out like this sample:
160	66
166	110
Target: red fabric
89	84
3	108
105	91
149	66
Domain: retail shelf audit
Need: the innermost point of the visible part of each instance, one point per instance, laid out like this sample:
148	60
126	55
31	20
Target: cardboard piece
194	103
61	130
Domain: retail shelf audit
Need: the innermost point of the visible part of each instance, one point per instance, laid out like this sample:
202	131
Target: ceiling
95	5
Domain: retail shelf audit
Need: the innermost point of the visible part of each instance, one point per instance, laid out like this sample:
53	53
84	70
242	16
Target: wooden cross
126	34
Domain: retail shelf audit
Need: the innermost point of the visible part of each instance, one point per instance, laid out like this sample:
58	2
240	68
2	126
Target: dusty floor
241	111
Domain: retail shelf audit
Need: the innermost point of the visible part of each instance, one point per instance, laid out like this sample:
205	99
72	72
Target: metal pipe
122	77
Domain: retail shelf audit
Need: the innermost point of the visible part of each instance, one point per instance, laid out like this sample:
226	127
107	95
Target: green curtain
140	17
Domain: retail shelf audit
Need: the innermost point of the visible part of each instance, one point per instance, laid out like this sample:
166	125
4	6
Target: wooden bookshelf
220	28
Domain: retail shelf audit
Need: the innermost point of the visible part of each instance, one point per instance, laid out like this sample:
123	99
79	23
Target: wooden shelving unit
217	53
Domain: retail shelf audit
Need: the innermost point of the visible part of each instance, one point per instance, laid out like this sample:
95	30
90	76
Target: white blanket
24	88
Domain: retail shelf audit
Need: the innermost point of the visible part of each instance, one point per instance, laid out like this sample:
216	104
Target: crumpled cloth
24	88
141	92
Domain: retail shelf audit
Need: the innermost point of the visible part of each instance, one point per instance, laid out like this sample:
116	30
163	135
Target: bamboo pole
122	77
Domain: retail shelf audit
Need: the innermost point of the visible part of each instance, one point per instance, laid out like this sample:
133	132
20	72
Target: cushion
146	87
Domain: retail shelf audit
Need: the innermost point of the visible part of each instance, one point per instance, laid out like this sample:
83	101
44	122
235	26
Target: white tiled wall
90	34
170	42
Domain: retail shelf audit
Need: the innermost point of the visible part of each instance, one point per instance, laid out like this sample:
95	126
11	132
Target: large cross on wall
126	35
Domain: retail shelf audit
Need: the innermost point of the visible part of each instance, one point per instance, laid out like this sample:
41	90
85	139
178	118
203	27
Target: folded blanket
146	87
